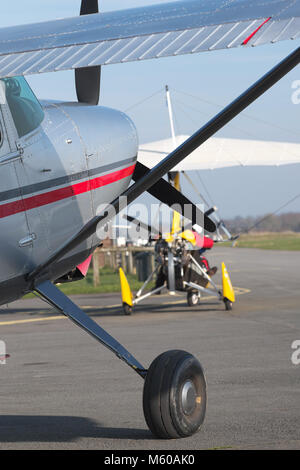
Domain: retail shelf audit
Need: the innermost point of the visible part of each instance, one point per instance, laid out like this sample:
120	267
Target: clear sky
211	80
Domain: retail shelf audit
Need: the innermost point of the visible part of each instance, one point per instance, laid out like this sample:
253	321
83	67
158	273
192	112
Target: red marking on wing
256	31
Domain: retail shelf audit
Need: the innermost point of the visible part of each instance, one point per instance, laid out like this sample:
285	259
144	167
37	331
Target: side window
25	109
1	135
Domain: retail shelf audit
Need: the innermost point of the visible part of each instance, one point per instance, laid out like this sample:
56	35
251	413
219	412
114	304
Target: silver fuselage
52	182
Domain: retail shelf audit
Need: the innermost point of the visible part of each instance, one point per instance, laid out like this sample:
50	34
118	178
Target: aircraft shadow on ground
28	428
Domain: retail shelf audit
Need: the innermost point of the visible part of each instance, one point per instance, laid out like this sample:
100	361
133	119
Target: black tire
127	309
192	299
228	304
174	398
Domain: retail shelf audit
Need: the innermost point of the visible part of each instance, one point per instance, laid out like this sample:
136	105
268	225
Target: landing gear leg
60	301
174	391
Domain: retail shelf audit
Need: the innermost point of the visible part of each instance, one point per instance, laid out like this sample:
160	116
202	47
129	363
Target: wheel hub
188	397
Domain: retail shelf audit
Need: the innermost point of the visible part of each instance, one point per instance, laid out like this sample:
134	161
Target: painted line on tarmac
238	291
31	320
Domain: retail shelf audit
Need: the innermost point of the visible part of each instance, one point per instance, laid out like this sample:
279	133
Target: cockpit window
26	111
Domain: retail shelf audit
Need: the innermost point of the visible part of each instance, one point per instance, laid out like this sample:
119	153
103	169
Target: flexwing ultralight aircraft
179	264
223	153
60	161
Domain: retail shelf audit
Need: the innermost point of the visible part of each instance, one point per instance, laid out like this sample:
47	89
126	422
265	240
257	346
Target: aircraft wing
223	152
155	31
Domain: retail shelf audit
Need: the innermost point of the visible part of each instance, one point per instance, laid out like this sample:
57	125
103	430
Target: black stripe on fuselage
37	187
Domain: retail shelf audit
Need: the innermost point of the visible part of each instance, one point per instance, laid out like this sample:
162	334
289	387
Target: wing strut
175	157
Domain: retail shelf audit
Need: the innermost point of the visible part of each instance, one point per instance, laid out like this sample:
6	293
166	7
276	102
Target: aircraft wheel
127	309
228	304
192	299
174	399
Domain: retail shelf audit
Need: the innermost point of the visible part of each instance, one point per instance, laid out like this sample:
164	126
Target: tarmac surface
60	389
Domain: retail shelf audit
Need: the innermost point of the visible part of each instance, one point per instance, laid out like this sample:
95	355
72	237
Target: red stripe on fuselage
33	202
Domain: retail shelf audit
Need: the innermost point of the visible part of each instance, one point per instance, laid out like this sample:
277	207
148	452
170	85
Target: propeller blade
143	225
167	194
87	79
89	7
211	210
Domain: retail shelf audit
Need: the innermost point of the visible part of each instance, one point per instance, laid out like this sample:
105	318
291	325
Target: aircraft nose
107	135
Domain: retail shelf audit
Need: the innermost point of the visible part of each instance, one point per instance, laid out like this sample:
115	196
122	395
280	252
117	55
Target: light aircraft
179	264
60	161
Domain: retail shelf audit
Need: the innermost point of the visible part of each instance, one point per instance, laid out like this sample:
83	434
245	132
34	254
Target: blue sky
215	77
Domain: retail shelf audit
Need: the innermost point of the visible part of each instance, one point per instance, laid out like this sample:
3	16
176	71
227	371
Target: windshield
26	110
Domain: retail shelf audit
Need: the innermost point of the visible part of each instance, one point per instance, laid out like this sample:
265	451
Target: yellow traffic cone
125	289
228	291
